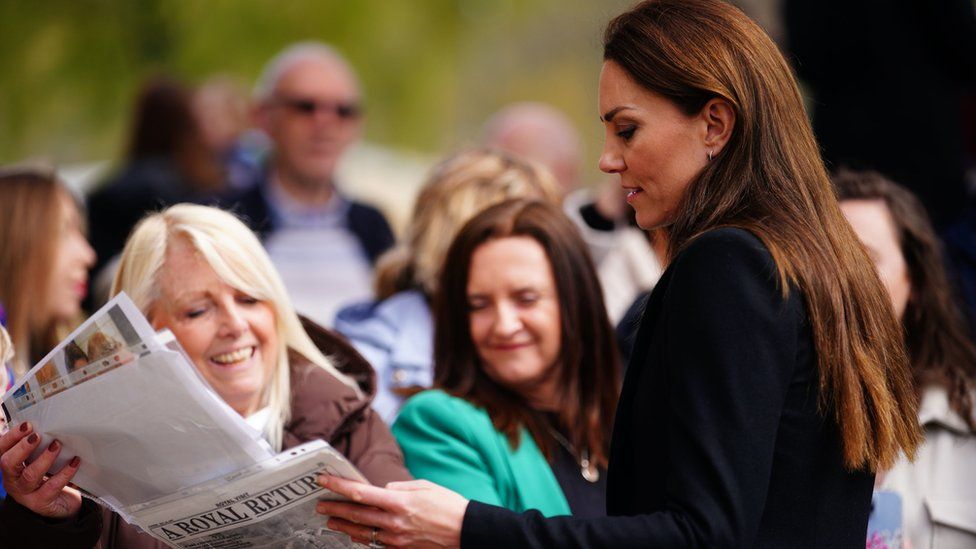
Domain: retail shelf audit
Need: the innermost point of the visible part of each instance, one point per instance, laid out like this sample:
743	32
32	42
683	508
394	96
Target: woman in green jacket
526	372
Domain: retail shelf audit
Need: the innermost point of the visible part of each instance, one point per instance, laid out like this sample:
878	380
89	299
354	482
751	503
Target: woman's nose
232	321
88	253
611	161
507	321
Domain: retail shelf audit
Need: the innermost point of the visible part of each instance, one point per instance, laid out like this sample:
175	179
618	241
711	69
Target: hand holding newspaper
162	449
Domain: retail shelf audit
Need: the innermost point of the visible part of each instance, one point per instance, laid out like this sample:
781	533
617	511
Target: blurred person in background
223	108
44	262
626	262
526	373
395	332
323	244
166	162
203	274
938	490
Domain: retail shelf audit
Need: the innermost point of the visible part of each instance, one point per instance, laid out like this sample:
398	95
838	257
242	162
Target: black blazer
718	440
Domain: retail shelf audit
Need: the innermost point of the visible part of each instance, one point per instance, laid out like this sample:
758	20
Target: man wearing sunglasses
324	245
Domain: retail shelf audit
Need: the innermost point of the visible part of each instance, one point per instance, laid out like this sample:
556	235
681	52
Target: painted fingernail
75	461
54	446
32	439
24	427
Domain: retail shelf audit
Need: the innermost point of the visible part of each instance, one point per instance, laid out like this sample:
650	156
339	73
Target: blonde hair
236	256
457	189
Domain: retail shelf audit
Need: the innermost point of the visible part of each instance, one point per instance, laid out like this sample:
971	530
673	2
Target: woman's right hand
50	497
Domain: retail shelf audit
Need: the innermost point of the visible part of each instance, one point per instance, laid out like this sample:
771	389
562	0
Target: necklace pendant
590	474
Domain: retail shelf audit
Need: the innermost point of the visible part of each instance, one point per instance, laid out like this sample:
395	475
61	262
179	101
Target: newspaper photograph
271	505
143	421
111	338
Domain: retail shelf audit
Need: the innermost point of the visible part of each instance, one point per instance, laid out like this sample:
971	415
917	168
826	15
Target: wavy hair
456	189
936	332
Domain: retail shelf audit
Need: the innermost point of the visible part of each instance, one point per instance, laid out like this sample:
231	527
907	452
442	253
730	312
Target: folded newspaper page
162	449
269	505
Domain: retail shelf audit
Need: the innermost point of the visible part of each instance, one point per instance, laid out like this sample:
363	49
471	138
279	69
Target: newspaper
270	505
162	449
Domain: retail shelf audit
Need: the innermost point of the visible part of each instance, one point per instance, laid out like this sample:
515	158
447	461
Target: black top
140	187
863	61
585	498
718	440
594	219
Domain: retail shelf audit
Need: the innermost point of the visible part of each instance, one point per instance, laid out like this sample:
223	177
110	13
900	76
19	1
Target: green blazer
451	442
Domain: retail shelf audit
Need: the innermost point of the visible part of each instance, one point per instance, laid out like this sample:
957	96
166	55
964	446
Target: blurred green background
432	70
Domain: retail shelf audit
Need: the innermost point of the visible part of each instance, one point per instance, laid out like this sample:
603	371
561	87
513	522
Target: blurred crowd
509	263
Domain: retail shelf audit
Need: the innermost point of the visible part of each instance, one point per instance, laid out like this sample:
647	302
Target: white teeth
236	356
632	193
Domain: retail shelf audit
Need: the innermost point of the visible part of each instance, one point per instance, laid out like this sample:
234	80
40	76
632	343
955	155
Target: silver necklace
588	470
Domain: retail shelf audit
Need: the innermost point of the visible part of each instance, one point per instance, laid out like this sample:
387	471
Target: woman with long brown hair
44	261
768	380
526	371
895	228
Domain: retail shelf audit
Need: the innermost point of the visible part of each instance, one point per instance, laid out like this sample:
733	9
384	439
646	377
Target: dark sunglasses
308	107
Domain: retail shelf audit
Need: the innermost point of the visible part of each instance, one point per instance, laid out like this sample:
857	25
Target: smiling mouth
235	357
633	192
510	346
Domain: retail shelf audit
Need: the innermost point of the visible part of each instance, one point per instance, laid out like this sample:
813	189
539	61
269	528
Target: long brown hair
936	332
30	213
588	358
770	180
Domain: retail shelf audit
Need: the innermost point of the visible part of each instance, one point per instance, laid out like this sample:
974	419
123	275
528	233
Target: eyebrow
190	296
608	116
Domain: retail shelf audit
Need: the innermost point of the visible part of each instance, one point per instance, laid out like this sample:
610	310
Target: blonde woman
395	332
201	273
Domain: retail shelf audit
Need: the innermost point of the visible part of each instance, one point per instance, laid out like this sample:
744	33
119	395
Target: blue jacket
396	336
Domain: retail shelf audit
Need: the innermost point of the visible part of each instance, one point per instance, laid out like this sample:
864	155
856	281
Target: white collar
934	408
259	420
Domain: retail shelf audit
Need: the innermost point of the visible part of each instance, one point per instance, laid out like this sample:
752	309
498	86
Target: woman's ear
719	117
